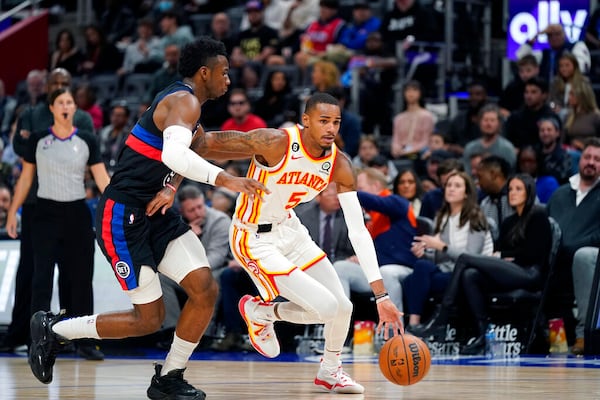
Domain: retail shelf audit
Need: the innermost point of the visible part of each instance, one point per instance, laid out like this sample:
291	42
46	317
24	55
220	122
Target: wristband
380	295
382	299
173	188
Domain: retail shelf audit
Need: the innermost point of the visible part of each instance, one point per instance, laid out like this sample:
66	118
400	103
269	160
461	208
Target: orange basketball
404	359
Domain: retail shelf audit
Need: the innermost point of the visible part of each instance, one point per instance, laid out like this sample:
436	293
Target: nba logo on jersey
131	219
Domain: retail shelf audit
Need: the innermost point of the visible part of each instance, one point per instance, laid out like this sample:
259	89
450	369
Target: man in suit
325	209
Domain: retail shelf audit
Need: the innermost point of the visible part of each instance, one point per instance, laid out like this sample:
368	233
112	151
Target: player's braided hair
200	53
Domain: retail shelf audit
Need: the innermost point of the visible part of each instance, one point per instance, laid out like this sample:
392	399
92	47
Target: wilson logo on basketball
416	358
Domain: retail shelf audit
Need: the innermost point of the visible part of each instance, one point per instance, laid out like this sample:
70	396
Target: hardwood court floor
129	379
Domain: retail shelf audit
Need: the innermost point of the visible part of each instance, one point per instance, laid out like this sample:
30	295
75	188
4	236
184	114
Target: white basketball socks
179	354
77	328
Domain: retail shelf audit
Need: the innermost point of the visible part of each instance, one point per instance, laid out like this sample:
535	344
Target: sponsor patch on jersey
326	166
122	269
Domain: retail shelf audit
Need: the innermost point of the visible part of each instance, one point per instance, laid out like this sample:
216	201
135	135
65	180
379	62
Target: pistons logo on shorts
122	269
252	266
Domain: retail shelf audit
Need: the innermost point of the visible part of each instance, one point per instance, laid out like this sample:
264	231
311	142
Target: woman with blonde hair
583	120
325	75
568	75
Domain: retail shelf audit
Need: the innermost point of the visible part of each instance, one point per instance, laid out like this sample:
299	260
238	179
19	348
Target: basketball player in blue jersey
138	245
269	241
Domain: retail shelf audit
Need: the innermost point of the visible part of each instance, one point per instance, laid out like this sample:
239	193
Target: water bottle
490	342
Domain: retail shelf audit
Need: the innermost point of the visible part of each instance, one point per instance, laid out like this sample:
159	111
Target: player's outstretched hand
390	319
162	201
249	186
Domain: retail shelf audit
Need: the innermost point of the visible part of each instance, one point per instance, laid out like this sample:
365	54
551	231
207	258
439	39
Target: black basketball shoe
44	344
172	386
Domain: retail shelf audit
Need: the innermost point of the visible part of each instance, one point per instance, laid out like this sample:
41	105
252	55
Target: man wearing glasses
242	119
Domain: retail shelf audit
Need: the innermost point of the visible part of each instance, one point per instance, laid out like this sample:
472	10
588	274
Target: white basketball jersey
296	179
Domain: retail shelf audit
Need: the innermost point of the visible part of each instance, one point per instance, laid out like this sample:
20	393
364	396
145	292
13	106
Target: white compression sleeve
359	235
178	156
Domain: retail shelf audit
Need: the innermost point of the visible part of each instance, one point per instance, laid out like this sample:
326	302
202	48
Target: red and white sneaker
337	381
261	332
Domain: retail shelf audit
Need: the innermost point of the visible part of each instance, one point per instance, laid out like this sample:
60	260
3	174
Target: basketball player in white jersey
269	241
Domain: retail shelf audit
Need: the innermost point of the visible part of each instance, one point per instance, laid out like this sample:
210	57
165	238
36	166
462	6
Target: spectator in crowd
99	56
276	100
242	119
548	58
220	29
491	141
413	126
275	13
392	226
350	129
324	75
173	32
568	76
556	161
112	137
429	178
464	127
524	245
354	36
167	74
8	107
223	199
34	119
320	34
35	89
301	14
522	126
118	22
212	228
512	96
85	97
576	208
529	162
583	119
66	53
433	199
408	185
142	55
459	227
62	229
378	76
257	43
492	175
408	18
368	149
5	200
381	163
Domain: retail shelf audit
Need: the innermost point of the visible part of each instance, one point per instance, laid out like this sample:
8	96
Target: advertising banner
528	17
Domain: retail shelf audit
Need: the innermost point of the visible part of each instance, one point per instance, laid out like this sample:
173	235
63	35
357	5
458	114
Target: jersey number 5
295	199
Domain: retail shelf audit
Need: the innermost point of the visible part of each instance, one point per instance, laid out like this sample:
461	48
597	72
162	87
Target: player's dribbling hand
162	201
390	319
249	186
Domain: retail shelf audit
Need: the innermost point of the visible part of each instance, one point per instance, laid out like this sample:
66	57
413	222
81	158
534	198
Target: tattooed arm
268	144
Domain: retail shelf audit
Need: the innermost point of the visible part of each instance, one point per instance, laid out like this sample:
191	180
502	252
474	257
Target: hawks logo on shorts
122	269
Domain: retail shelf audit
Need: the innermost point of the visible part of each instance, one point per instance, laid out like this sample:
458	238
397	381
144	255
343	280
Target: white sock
331	360
78	327
179	354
